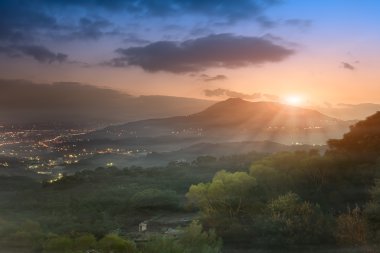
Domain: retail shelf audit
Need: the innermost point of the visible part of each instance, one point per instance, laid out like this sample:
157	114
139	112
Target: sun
294	100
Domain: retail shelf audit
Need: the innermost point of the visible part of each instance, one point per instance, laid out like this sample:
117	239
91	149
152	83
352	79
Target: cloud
348	66
91	28
221	50
225	9
20	21
207	78
198	31
42	54
229	93
25	22
278	39
28	21
9	52
302	24
133	38
38	53
265	22
271	97
234	94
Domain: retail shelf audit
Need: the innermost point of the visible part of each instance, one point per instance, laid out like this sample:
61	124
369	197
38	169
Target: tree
228	195
296	222
155	199
372	212
85	242
204	161
351	228
28	235
195	240
161	244
59	244
115	244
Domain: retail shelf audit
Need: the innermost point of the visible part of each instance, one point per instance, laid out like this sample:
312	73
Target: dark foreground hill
363	139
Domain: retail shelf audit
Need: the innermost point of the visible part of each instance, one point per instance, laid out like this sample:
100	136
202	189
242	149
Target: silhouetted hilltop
238	120
237	111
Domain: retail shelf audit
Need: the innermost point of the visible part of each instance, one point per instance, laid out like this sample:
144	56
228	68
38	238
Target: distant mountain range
24	102
75	104
237	120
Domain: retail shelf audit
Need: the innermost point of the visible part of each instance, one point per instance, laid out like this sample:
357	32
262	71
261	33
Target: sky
323	51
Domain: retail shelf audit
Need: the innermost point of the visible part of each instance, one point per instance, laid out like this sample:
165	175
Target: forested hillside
286	200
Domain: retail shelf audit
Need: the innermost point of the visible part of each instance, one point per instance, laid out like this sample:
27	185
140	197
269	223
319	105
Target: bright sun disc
294	100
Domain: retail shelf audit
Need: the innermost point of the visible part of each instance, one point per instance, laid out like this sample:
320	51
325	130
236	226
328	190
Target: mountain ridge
236	119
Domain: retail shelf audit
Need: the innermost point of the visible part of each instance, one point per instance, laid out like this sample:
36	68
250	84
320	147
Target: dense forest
289	200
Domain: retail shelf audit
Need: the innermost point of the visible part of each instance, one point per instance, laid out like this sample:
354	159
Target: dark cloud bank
41	54
231	10
25	23
24	20
38	53
220	50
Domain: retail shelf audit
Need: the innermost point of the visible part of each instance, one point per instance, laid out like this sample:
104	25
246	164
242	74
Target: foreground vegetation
287	200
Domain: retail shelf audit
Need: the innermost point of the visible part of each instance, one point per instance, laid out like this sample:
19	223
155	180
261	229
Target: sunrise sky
321	51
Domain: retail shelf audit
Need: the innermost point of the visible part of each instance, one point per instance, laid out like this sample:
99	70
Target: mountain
238	120
25	102
244	114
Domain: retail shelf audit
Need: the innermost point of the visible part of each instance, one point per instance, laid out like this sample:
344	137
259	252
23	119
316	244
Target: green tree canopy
113	243
294	221
155	199
228	194
85	242
59	244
